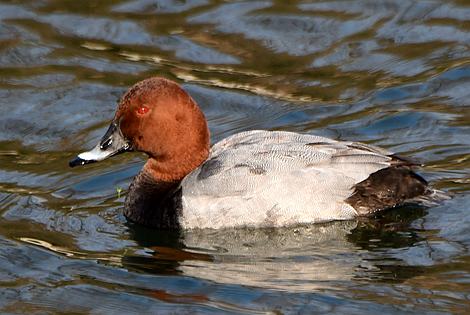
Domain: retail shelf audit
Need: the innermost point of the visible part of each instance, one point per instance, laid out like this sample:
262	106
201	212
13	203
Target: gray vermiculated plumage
265	178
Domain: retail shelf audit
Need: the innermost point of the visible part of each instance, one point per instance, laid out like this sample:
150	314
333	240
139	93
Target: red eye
143	110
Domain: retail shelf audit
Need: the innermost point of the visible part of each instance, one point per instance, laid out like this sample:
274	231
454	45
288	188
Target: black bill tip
79	161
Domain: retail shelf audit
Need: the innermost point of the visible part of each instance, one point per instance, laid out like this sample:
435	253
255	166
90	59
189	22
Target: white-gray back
274	178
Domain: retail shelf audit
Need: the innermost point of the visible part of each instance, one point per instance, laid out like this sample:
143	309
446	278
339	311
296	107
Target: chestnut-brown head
158	117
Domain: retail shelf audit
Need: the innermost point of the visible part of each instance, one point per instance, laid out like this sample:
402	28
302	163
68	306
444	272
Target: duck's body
263	178
269	179
254	178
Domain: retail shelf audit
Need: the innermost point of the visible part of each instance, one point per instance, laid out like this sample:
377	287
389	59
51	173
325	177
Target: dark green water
391	73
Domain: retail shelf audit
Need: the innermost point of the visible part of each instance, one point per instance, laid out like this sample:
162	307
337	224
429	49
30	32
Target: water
391	73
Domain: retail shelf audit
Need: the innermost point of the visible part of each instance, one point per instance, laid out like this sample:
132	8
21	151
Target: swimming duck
254	178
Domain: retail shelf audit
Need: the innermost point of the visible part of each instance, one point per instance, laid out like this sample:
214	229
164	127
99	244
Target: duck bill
112	143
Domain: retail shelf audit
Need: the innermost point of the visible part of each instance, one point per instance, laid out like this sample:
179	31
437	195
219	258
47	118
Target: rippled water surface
391	73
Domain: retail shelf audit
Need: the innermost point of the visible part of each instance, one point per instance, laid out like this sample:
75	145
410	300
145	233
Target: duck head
157	117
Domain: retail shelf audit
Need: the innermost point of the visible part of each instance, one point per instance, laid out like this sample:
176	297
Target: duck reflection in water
304	258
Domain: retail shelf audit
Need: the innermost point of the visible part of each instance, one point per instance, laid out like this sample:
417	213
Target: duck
255	178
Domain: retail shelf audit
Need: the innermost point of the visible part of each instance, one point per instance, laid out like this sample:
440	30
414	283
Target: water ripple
391	73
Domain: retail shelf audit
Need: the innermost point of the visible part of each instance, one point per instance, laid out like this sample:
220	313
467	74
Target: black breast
156	205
